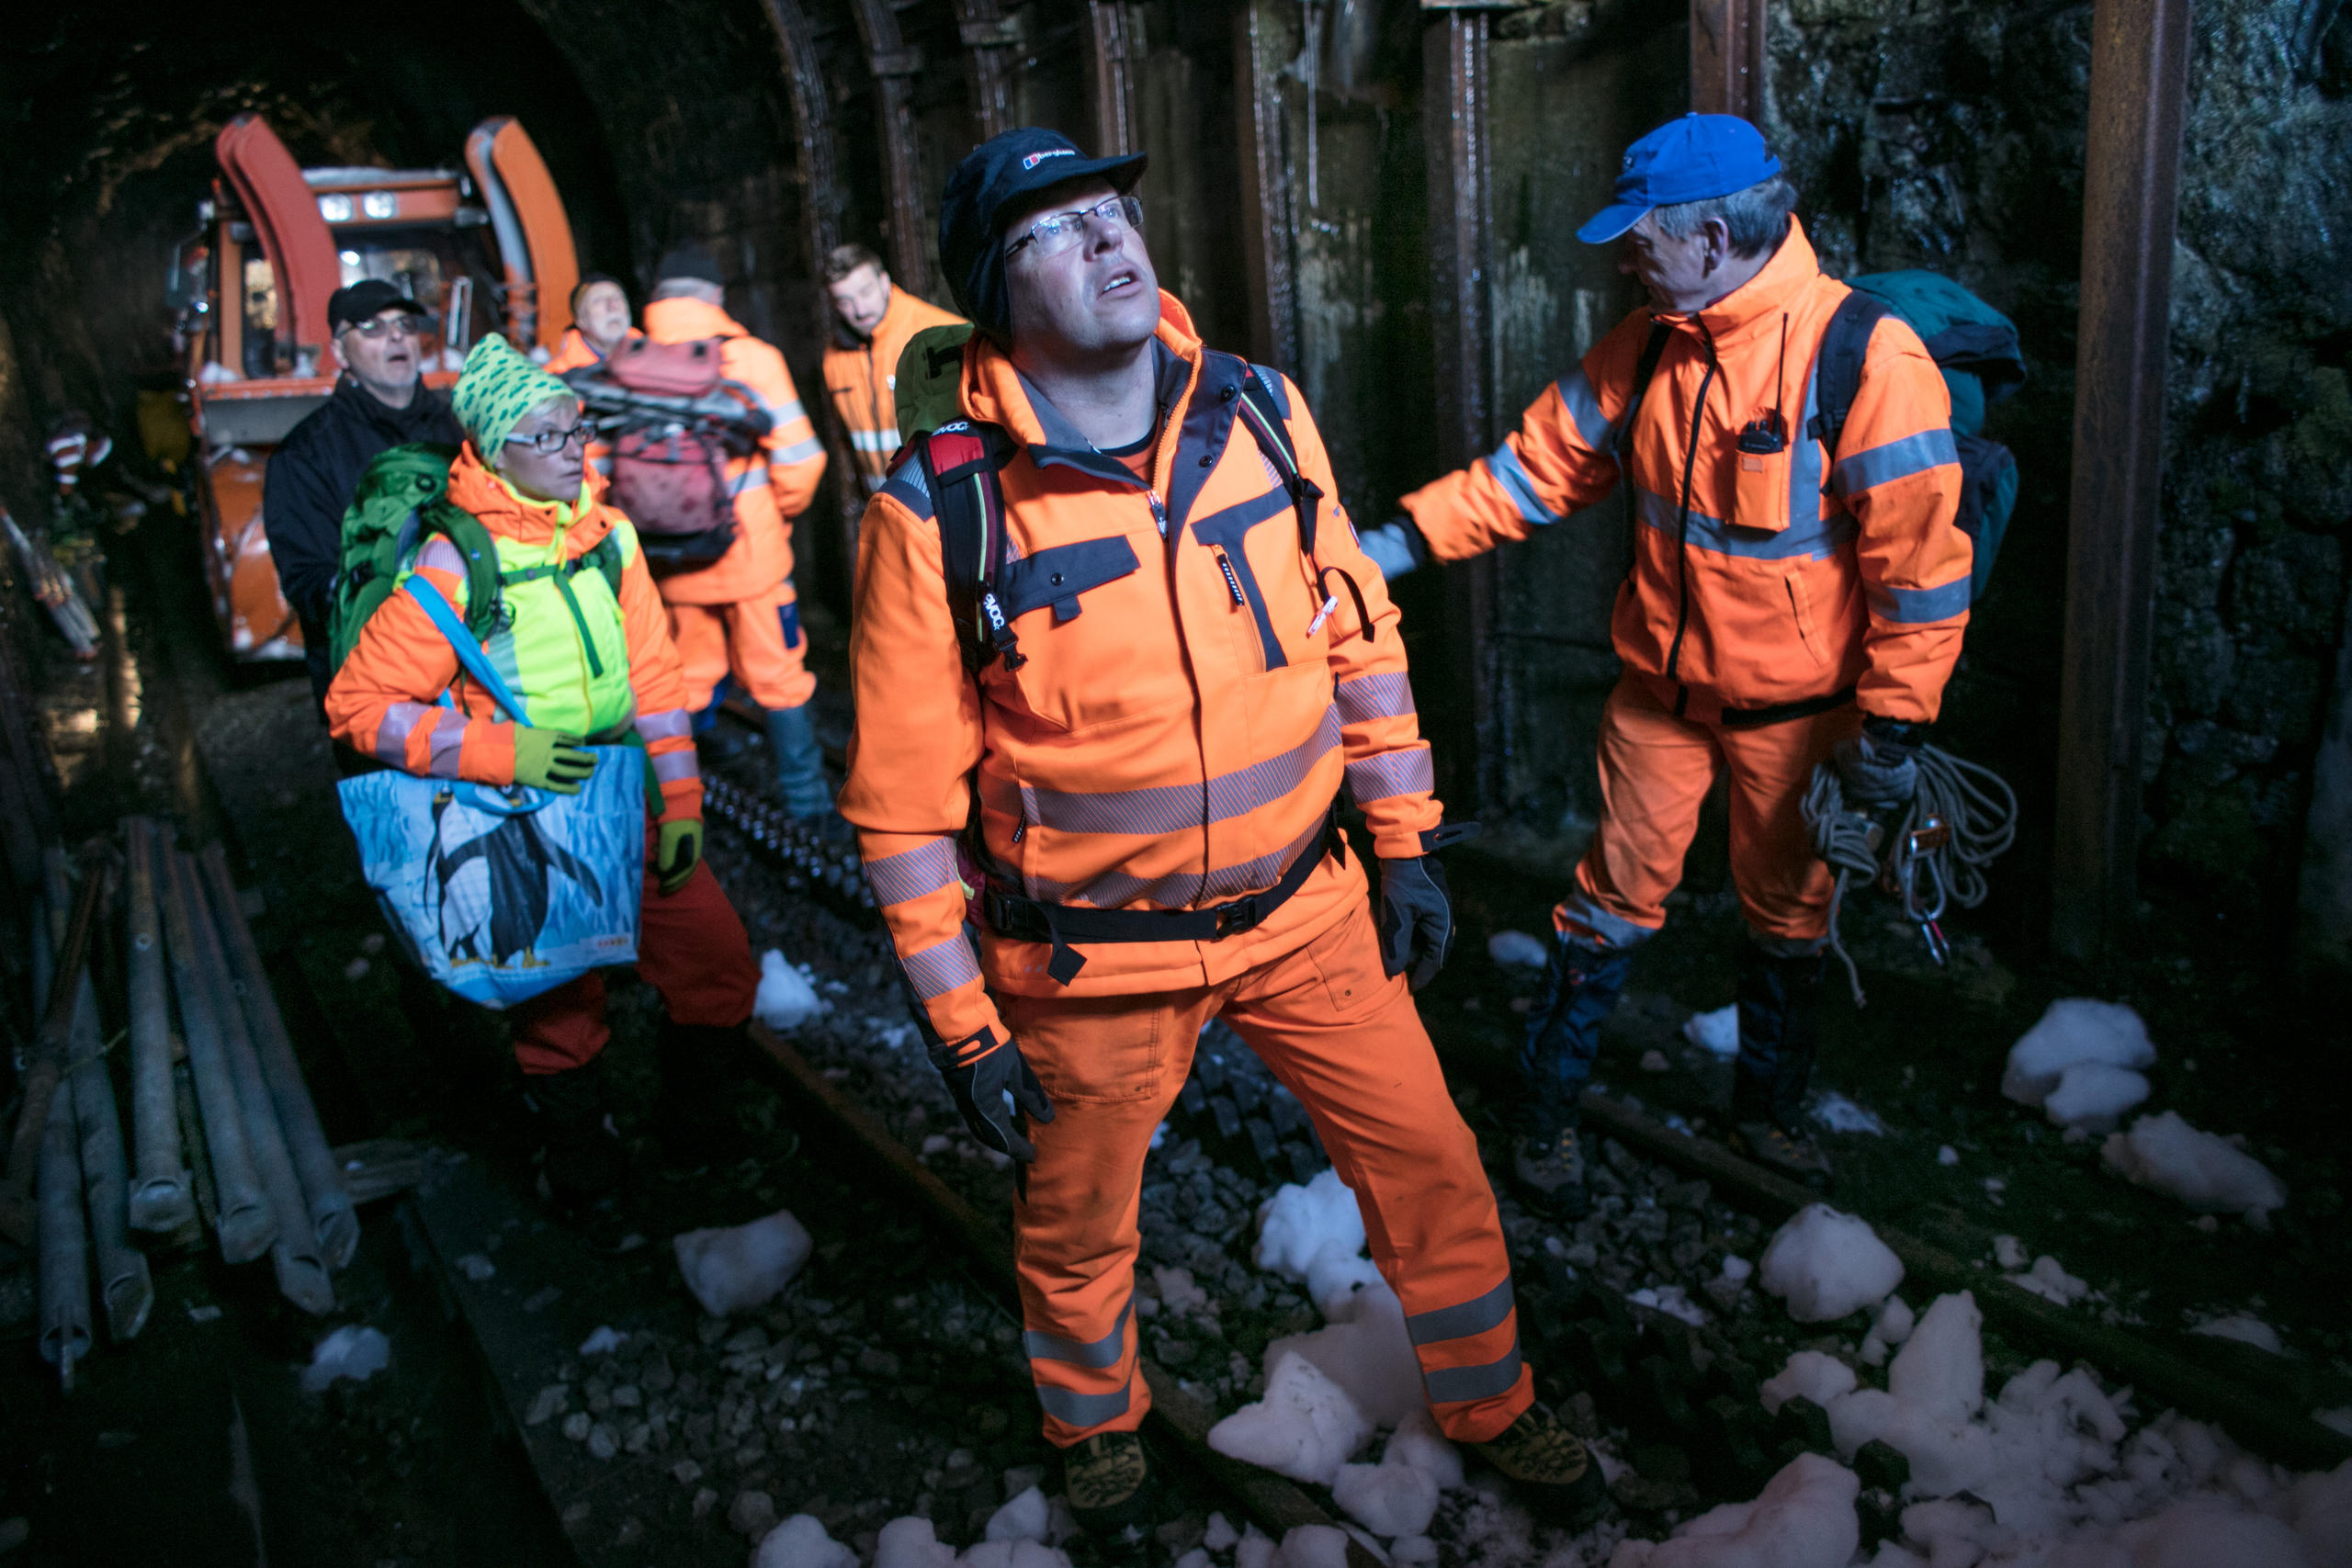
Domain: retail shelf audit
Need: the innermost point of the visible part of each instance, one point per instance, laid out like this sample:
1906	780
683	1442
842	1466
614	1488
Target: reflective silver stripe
1117	889
1367	698
448	739
1807	534
753	478
1584	407
391	733
875	440
1895	460
1613	929
1460	1322
1167	808
784	413
1448	1385
798	452
1389	773
1510	473
1805	456
671	724
1082	1409
441	556
942	967
1918	606
1095	1353
672	766
911	874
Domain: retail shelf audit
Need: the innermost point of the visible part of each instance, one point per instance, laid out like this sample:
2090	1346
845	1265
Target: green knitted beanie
498	388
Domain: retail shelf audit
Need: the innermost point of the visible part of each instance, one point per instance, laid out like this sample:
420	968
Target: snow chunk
1808	1375
785	999
801	1543
1007	1554
1221	1533
1805	1519
1518	950
2205	1172
1895	1321
1366	1351
1418	1442
1827	1264
1671	1300
604	1341
1023	1519
1941	1366
2245	1328
1314	1236
1840	1114
1304	1427
2072	1031
2047	1280
1315	1546
736	1269
355	1352
1716	1033
2094	1096
1398	1495
910	1542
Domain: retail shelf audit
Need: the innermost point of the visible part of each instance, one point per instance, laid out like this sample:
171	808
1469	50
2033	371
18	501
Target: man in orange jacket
740	616
599	323
1790	601
875	318
1179	681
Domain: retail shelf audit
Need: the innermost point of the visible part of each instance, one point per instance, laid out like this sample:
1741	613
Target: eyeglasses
401	324
1052	236
548	442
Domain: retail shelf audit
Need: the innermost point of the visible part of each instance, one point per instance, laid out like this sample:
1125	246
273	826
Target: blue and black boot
1580	985
801	786
1780	1004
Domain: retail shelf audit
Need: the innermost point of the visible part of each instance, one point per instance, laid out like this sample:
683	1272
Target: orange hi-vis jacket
1184	720
385	699
576	352
863	382
771	487
1783	578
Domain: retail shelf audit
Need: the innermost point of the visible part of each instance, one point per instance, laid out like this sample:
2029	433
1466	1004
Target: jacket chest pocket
1061	575
1761	489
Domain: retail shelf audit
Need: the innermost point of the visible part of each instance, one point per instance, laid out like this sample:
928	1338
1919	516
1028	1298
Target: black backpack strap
1263	417
1837	375
1645	369
961	462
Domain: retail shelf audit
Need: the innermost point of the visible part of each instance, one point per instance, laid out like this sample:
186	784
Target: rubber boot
1580	987
799	762
584	1161
1779	1006
703	1068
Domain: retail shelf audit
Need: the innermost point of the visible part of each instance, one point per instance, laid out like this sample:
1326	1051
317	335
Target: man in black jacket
380	400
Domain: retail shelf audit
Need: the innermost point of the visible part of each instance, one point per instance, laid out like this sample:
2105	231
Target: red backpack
672	423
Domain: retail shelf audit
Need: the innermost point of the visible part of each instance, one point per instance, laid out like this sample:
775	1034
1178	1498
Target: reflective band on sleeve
753	478
1473	1316
911	874
442	556
1367	698
672	766
1584	407
784	413
1895	460
882	441
1504	464
1095	1353
941	967
448	739
671	724
1390	774
1918	606
1082	1409
798	452
1450	1385
391	733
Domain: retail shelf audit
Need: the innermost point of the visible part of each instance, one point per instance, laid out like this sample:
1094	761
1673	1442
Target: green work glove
678	852
549	758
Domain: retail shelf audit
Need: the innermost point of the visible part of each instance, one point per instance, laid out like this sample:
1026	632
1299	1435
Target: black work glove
1880	766
1416	919
979	1085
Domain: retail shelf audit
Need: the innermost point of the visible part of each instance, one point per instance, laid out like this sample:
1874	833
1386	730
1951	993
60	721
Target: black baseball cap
363	301
991	185
689	261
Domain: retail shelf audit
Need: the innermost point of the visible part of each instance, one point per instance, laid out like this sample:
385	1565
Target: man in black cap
380	400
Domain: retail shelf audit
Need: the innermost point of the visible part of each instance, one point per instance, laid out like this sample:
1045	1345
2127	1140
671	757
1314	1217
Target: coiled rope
1976	804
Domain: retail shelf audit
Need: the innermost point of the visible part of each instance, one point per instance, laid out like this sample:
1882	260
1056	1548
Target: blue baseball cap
992	182
1696	158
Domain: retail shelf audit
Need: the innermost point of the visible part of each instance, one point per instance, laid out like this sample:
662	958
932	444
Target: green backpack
401	501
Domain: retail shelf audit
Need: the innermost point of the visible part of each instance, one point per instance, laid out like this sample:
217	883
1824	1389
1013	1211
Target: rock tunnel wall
1290	203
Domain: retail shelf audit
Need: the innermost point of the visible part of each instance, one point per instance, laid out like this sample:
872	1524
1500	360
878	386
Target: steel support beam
1114	66
894	67
1455	80
1727	57
1262	45
2131	177
990	37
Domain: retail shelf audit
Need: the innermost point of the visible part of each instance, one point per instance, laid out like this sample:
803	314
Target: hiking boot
582	1159
1555	1475
799	762
1551	1174
1107	1483
1783	1151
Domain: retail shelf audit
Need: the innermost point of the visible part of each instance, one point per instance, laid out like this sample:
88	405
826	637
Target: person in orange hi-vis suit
740	616
872	319
1789	604
1183	680
599	323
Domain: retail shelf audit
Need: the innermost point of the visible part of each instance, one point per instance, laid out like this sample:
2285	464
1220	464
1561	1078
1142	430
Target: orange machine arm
286	216
534	236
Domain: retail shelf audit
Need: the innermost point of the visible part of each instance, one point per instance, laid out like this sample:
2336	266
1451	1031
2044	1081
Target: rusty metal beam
990	39
1455	80
812	128
1727	57
894	66
1262	45
2130	185
1114	66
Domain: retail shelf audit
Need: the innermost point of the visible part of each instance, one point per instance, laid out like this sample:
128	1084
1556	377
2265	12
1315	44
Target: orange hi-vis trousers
758	641
1655	769
1346	1040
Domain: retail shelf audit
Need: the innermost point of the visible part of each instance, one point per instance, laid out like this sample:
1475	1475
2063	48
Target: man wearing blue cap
1797	594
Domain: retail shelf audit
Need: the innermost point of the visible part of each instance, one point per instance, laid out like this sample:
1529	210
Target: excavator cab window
427	265
260	298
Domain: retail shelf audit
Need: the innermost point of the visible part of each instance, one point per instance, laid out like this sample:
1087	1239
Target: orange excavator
488	249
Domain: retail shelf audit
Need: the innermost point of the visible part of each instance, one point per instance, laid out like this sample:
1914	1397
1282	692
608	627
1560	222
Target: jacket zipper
1232	580
1682	527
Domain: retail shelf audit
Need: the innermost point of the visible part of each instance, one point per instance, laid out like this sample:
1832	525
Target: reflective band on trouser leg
1470	1351
1056	1364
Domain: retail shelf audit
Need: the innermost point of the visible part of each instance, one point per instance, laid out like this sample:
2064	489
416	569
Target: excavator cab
486	250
